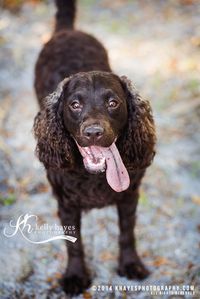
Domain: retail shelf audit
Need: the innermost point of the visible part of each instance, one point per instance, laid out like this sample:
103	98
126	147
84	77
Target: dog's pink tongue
116	174
95	158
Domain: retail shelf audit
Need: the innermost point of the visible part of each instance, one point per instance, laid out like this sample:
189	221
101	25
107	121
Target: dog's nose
94	132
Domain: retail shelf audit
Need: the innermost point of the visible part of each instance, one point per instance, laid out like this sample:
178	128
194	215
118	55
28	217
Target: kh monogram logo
24	227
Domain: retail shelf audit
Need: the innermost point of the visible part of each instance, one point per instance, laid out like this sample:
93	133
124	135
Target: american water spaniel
95	136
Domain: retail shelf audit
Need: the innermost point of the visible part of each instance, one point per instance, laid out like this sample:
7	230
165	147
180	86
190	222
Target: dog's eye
113	104
75	105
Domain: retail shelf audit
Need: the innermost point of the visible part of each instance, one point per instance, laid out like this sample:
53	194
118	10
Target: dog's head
94	108
99	113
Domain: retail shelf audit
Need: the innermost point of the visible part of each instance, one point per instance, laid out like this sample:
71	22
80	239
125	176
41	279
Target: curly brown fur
82	102
54	146
138	141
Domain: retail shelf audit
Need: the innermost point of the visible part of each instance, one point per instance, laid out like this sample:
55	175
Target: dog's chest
83	189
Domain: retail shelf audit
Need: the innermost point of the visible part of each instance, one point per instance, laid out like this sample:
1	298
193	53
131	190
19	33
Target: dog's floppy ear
54	145
138	140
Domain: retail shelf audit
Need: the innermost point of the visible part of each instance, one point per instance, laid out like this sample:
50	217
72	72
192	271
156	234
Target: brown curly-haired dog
95	137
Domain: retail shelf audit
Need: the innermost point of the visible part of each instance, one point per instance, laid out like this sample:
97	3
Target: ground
156	44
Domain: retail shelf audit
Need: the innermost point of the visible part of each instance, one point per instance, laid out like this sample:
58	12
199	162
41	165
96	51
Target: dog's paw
134	270
74	284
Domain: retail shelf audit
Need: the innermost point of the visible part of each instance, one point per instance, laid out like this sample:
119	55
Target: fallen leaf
146	254
195	40
87	295
107	256
160	260
190	265
196	199
49	279
58	275
166	273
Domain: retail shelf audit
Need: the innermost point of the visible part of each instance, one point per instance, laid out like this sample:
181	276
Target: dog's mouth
99	159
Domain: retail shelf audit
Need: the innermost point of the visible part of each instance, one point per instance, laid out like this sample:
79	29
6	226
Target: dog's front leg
76	278
130	264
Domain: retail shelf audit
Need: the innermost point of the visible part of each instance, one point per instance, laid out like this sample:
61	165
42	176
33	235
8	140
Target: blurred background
157	45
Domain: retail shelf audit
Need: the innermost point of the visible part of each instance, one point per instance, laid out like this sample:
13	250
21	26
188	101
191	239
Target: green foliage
194	86
195	169
8	200
143	199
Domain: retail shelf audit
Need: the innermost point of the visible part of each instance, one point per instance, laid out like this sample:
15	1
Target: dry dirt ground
156	44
